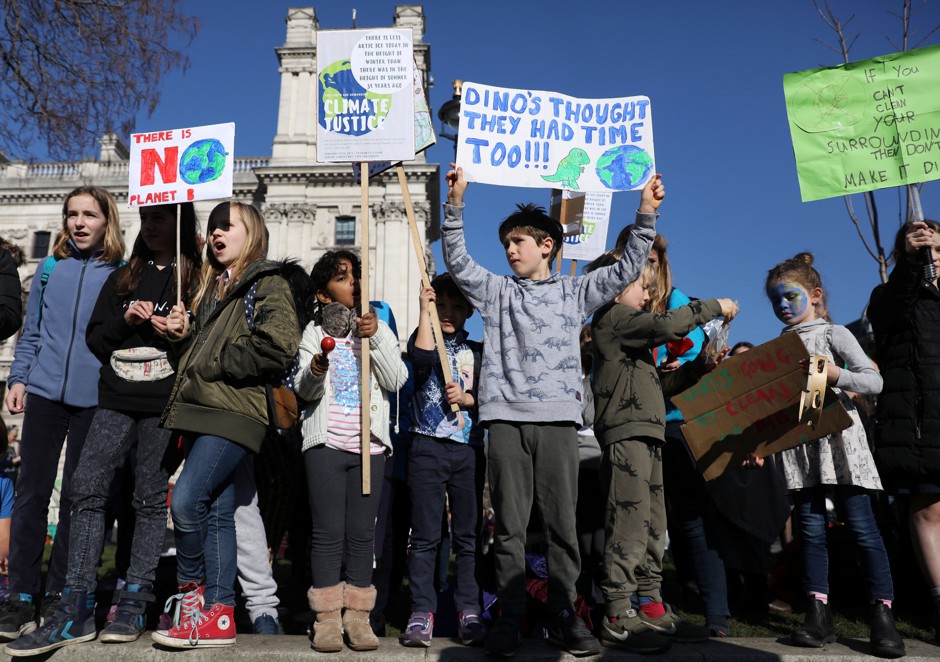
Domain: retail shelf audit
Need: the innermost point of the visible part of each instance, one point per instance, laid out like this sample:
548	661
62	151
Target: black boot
818	630
884	636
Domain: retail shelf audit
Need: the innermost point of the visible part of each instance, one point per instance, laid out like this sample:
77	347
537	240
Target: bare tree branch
71	70
858	227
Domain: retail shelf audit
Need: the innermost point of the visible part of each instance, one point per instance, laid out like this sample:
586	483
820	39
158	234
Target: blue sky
713	72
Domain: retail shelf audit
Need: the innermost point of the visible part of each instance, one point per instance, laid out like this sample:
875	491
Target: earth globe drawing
345	106
203	161
624	167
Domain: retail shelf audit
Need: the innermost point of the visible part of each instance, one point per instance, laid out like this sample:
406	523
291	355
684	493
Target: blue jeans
203	508
112	436
854	505
439	470
689	521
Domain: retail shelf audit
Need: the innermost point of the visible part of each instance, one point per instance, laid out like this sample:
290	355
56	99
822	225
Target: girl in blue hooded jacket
57	374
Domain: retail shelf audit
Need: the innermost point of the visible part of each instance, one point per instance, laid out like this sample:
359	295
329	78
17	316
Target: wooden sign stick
425	280
574	268
561	219
366	431
179	272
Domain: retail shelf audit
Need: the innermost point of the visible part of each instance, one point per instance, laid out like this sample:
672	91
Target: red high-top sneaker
197	625
215	627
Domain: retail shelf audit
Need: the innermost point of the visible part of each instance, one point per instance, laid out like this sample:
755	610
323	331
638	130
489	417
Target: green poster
866	125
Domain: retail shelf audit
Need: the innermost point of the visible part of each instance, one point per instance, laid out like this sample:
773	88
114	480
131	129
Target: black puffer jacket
905	316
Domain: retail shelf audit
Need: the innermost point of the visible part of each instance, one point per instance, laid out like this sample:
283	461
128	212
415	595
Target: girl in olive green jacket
244	336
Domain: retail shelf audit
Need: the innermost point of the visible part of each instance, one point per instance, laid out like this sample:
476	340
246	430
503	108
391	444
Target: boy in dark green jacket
629	423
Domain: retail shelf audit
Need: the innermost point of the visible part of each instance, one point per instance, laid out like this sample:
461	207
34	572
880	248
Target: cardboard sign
365	96
866	125
542	139
750	403
181	165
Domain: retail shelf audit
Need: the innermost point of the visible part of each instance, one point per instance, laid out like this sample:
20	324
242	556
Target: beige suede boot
328	630
359	601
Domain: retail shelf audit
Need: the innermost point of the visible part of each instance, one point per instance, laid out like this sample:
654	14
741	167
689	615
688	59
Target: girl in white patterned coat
840	463
341	549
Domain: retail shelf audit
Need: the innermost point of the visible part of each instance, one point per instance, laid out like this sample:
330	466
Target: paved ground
251	648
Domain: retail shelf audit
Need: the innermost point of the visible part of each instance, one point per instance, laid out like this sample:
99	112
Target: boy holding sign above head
530	395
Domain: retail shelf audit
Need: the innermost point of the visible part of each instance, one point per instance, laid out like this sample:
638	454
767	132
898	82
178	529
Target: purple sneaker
419	629
470	628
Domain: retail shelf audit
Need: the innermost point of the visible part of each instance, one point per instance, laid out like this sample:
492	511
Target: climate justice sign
542	139
181	165
365	96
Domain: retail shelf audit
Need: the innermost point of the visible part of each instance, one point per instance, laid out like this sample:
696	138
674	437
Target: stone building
309	207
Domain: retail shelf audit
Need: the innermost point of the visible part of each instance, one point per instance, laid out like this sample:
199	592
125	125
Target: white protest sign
365	96
593	238
181	165
548	140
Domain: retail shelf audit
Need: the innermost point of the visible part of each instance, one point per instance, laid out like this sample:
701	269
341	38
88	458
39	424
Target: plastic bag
718	331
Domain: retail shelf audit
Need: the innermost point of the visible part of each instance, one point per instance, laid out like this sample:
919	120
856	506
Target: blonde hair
660	287
113	239
256	248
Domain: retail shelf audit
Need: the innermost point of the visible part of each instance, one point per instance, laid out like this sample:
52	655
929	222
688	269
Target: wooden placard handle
425	280
366	400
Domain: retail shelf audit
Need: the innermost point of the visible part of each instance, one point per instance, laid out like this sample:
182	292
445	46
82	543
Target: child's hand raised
728	309
426	298
368	325
456	185
652	195
919	236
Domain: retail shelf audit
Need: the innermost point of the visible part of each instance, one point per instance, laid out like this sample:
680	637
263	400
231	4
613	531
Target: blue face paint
791	302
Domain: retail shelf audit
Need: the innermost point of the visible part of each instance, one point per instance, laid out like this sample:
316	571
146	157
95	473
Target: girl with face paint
841	463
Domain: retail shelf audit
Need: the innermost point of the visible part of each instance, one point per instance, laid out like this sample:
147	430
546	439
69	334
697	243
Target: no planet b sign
542	139
181	165
365	96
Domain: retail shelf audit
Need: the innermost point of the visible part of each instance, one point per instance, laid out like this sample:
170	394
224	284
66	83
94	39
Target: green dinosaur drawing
569	169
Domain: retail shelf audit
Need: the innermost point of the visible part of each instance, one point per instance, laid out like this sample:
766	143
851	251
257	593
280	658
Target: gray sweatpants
631	475
255	574
526	462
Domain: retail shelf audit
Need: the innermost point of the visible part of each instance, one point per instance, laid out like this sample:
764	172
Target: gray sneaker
419	630
628	632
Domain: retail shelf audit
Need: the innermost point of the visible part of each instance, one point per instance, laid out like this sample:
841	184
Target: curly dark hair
325	268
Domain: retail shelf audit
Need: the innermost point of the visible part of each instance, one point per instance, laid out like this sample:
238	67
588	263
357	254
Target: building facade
309	208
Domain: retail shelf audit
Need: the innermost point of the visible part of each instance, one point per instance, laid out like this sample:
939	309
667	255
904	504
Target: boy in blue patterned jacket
445	461
530	395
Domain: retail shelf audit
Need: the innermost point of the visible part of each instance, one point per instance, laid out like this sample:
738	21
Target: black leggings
343	518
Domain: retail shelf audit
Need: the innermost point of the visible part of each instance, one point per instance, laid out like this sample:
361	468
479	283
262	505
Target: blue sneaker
419	630
266	624
470	628
130	614
72	623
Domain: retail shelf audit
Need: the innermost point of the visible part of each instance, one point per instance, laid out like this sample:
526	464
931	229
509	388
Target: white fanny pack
141	364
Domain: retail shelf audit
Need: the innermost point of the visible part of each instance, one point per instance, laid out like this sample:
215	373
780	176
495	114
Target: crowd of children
193	372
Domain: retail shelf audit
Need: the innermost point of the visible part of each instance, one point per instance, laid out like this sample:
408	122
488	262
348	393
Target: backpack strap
47	266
